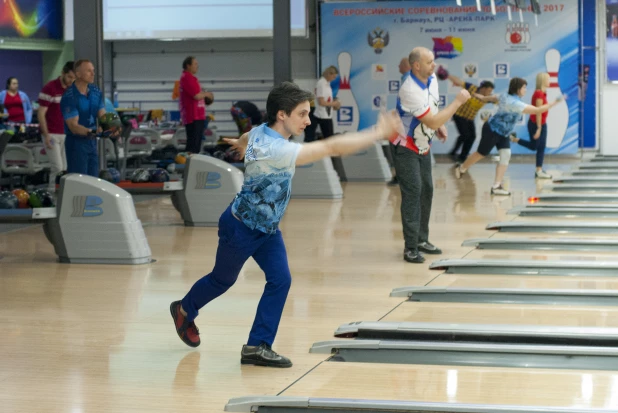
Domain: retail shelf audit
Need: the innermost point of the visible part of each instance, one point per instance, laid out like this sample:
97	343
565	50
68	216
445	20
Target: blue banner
368	40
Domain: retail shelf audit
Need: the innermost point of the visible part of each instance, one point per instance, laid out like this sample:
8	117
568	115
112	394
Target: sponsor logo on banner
345	115
442	102
378	39
393	86
378	102
378	72
518	33
448	47
518	36
471	69
502	70
485	115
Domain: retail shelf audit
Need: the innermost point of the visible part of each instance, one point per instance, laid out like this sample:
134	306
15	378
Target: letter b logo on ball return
208	180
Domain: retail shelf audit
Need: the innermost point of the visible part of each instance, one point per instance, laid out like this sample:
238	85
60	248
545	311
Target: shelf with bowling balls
141	181
19	204
220	150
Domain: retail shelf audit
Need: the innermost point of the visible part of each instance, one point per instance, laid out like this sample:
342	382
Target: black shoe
263	355
413	256
393	182
429	248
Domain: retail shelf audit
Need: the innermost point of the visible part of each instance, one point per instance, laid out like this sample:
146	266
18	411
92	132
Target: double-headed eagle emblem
378	39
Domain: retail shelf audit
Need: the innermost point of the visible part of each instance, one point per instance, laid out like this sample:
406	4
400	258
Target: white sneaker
499	191
542	175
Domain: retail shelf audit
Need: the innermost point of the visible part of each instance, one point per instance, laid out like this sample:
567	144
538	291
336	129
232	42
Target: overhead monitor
190	19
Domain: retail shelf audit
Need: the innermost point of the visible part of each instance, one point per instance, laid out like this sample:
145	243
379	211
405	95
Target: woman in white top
324	105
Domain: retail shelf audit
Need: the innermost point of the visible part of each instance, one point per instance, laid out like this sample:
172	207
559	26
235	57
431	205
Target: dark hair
486	83
68	67
8	81
516	84
286	97
187	62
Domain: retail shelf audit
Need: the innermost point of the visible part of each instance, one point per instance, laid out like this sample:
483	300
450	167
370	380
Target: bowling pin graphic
348	116
558	117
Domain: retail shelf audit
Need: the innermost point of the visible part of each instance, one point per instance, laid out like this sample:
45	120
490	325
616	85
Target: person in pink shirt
51	122
192	105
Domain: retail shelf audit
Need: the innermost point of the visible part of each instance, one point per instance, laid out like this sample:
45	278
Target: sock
497	185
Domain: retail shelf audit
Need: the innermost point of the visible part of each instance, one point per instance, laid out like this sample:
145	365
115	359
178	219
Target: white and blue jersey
415	100
270	163
74	103
510	109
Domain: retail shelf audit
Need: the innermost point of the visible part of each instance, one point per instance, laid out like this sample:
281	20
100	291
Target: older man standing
418	106
81	105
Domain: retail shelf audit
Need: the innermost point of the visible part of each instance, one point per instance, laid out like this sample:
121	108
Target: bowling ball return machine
94	222
208	188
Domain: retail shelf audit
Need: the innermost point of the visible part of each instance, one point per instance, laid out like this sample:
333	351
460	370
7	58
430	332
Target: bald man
417	104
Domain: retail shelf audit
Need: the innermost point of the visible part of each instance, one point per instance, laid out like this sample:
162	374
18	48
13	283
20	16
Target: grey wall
234	69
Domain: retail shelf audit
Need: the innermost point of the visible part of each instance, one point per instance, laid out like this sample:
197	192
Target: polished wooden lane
520	314
99	338
529	282
582	389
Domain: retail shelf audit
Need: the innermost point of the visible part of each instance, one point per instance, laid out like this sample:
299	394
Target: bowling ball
171	168
41	198
442	73
110	122
22	198
115	175
8	200
159	175
516	38
232	156
209	99
106	176
219	155
140	175
181	158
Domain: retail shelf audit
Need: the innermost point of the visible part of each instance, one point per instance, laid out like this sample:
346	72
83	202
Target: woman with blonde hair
537	126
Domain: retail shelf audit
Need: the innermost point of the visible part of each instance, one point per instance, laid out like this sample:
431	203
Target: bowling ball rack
26	214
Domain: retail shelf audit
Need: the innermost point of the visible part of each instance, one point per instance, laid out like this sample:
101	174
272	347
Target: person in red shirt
16	103
537	126
191	104
51	121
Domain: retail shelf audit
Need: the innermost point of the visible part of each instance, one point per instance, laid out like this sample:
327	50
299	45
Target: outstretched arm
239	145
388	125
440	118
456	81
487	99
537	110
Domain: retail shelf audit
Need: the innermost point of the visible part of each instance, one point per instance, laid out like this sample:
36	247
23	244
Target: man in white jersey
417	105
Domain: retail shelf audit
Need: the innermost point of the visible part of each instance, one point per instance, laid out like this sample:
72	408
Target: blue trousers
537	145
237	243
82	156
